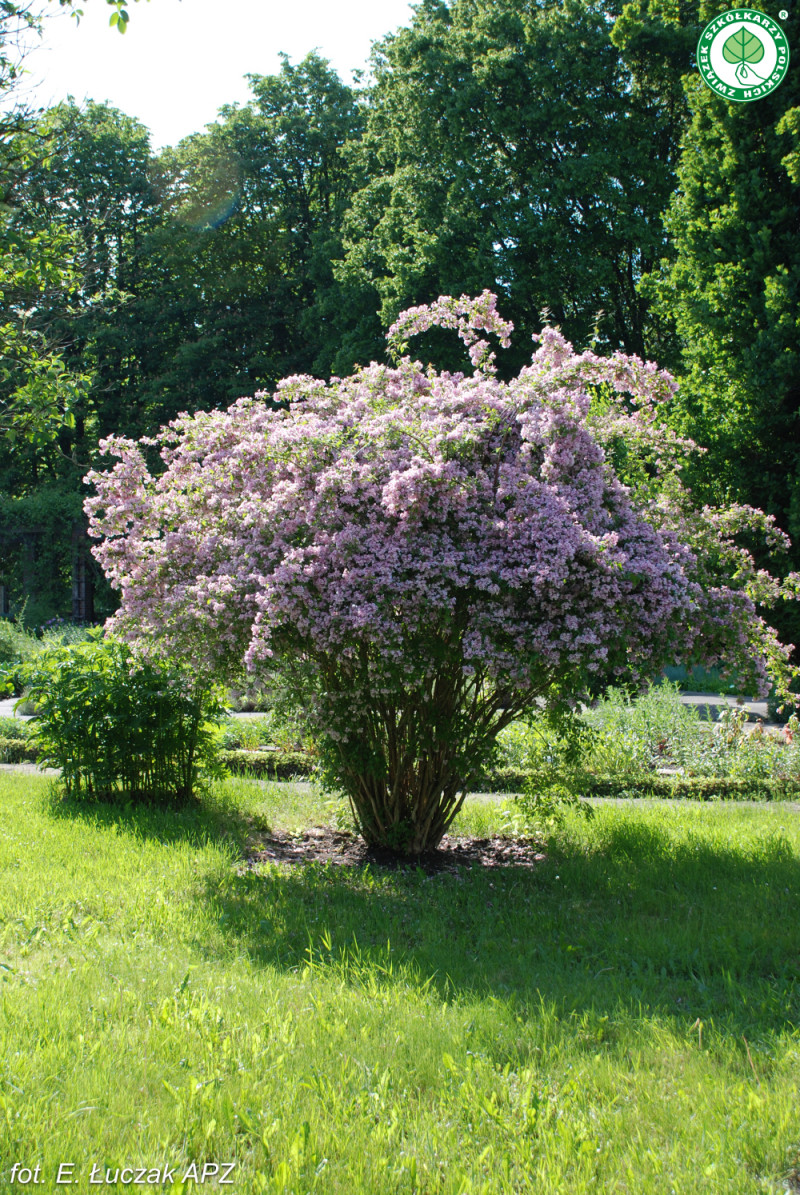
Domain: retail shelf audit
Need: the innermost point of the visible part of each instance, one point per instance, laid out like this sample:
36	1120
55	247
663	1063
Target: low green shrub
274	731
285	723
634	738
16	644
19	645
18	750
246	734
121	727
728	750
654	730
617	735
697	788
273	765
501	780
652	746
15	728
544	762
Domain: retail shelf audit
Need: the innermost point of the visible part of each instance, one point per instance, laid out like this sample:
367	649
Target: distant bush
272	765
648	746
16	741
16	647
276	730
638	736
629	736
15	728
119	727
246	734
18	750
698	788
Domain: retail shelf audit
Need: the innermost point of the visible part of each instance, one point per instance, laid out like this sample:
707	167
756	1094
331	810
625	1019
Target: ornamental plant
428	556
119	727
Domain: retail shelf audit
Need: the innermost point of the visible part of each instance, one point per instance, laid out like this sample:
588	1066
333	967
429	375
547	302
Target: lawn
623	1017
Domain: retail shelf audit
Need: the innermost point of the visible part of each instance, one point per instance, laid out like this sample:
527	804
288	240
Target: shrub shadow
197	821
688	929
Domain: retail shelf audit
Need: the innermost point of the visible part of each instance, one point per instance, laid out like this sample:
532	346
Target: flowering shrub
425	555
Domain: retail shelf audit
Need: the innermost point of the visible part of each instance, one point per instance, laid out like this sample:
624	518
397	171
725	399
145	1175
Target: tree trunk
408	814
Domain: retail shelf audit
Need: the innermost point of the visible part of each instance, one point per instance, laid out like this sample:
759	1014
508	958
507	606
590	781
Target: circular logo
743	55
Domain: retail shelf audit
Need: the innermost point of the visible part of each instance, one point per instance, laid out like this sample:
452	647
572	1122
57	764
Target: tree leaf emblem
743	48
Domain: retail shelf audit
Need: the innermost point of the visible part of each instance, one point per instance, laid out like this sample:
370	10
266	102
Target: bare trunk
409	813
406	769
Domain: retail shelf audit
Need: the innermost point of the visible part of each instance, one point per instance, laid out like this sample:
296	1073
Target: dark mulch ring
324	845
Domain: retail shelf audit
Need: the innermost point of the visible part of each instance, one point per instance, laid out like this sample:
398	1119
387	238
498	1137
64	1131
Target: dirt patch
324	845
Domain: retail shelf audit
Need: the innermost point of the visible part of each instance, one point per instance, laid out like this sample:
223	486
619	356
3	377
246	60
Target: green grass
623	1018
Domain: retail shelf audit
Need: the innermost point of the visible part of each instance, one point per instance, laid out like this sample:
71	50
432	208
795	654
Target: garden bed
340	847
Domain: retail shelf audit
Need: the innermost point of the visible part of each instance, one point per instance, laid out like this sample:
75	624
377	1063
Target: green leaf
743	46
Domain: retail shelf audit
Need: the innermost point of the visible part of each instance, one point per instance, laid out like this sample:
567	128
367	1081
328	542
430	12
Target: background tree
38	391
252	212
730	289
732	292
91	195
199	276
514	146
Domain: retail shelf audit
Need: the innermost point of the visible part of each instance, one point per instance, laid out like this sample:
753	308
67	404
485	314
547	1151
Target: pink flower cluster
464	315
398	524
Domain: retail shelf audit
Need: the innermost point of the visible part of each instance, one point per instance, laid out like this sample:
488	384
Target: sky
181	60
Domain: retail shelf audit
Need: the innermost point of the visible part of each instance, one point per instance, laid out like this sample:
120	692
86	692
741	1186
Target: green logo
743	55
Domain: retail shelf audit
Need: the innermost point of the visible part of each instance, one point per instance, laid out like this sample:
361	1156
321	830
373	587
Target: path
707	704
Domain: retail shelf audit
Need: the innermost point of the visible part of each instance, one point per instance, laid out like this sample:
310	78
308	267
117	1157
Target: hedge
17	751
293	765
275	765
697	788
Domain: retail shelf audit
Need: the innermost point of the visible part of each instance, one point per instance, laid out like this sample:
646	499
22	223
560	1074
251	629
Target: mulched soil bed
324	845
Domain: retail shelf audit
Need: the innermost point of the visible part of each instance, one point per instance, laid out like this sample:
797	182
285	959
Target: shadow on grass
631	917
210	819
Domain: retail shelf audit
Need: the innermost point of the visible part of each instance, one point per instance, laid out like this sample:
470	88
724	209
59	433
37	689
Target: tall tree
293	143
44	386
36	389
201	276
240	284
733	292
89	196
511	147
730	286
